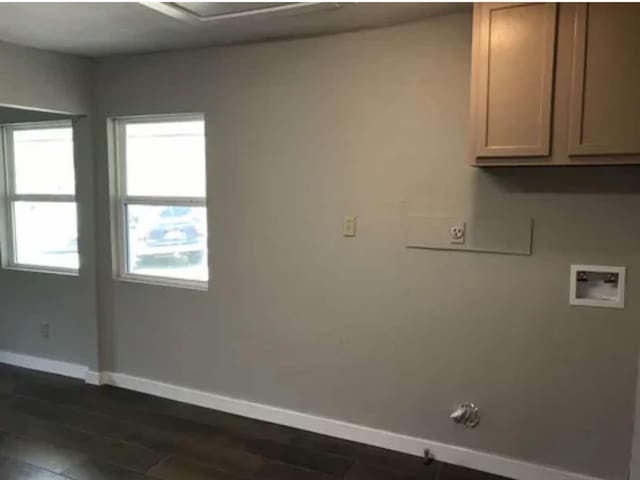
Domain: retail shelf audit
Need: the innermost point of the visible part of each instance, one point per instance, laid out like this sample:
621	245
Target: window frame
7	158
120	201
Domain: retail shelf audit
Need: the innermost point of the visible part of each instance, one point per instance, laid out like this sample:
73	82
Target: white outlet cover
457	233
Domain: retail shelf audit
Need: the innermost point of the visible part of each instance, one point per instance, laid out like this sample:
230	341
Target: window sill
69	272
198	285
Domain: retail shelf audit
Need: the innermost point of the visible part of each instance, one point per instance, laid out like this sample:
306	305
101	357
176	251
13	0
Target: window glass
167	241
165	159
46	234
43	161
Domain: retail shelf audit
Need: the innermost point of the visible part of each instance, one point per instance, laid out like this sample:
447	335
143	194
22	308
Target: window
161	199
41	213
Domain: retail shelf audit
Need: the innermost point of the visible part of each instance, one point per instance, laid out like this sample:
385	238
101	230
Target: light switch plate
349	227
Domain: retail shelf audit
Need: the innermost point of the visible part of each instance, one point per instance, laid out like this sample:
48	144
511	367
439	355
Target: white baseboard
94	378
477	460
44	364
488	462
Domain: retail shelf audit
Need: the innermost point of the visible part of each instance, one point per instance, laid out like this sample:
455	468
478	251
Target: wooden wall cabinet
605	90
555	84
515	75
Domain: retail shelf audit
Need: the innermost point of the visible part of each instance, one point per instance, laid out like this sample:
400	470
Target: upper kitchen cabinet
555	84
514	46
605	85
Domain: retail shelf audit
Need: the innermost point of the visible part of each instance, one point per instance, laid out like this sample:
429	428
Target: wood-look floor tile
11	469
35	376
165	441
40	454
233	424
281	471
114	451
365	471
454	472
93	469
379	457
220	457
131	409
88	397
131	397
180	469
7	384
210	450
299	456
70	417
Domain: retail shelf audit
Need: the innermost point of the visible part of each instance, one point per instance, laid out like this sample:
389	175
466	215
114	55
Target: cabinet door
605	83
513	65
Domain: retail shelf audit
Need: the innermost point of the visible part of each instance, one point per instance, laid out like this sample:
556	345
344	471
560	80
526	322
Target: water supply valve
467	414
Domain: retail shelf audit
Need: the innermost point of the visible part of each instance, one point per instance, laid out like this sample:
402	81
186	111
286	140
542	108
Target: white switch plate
349	227
594	289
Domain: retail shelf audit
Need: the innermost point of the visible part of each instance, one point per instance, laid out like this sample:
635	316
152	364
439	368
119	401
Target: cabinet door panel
515	79
605	85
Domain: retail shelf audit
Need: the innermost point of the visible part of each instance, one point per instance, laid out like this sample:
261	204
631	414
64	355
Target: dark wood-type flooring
57	428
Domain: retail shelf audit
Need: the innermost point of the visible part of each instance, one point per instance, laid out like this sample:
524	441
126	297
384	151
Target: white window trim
121	200
8	181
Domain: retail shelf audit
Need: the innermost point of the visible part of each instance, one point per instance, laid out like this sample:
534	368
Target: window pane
46	234
43	160
168	241
166	159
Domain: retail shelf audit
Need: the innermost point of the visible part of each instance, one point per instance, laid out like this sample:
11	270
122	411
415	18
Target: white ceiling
100	29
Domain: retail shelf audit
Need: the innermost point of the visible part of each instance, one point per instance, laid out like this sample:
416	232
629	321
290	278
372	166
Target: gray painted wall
374	124
37	79
301	134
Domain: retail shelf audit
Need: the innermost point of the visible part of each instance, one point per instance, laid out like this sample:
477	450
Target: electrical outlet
457	233
45	330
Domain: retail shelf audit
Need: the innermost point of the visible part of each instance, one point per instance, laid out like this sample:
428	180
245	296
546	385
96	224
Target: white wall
374	124
41	80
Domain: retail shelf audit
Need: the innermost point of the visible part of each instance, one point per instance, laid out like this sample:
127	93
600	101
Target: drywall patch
508	235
